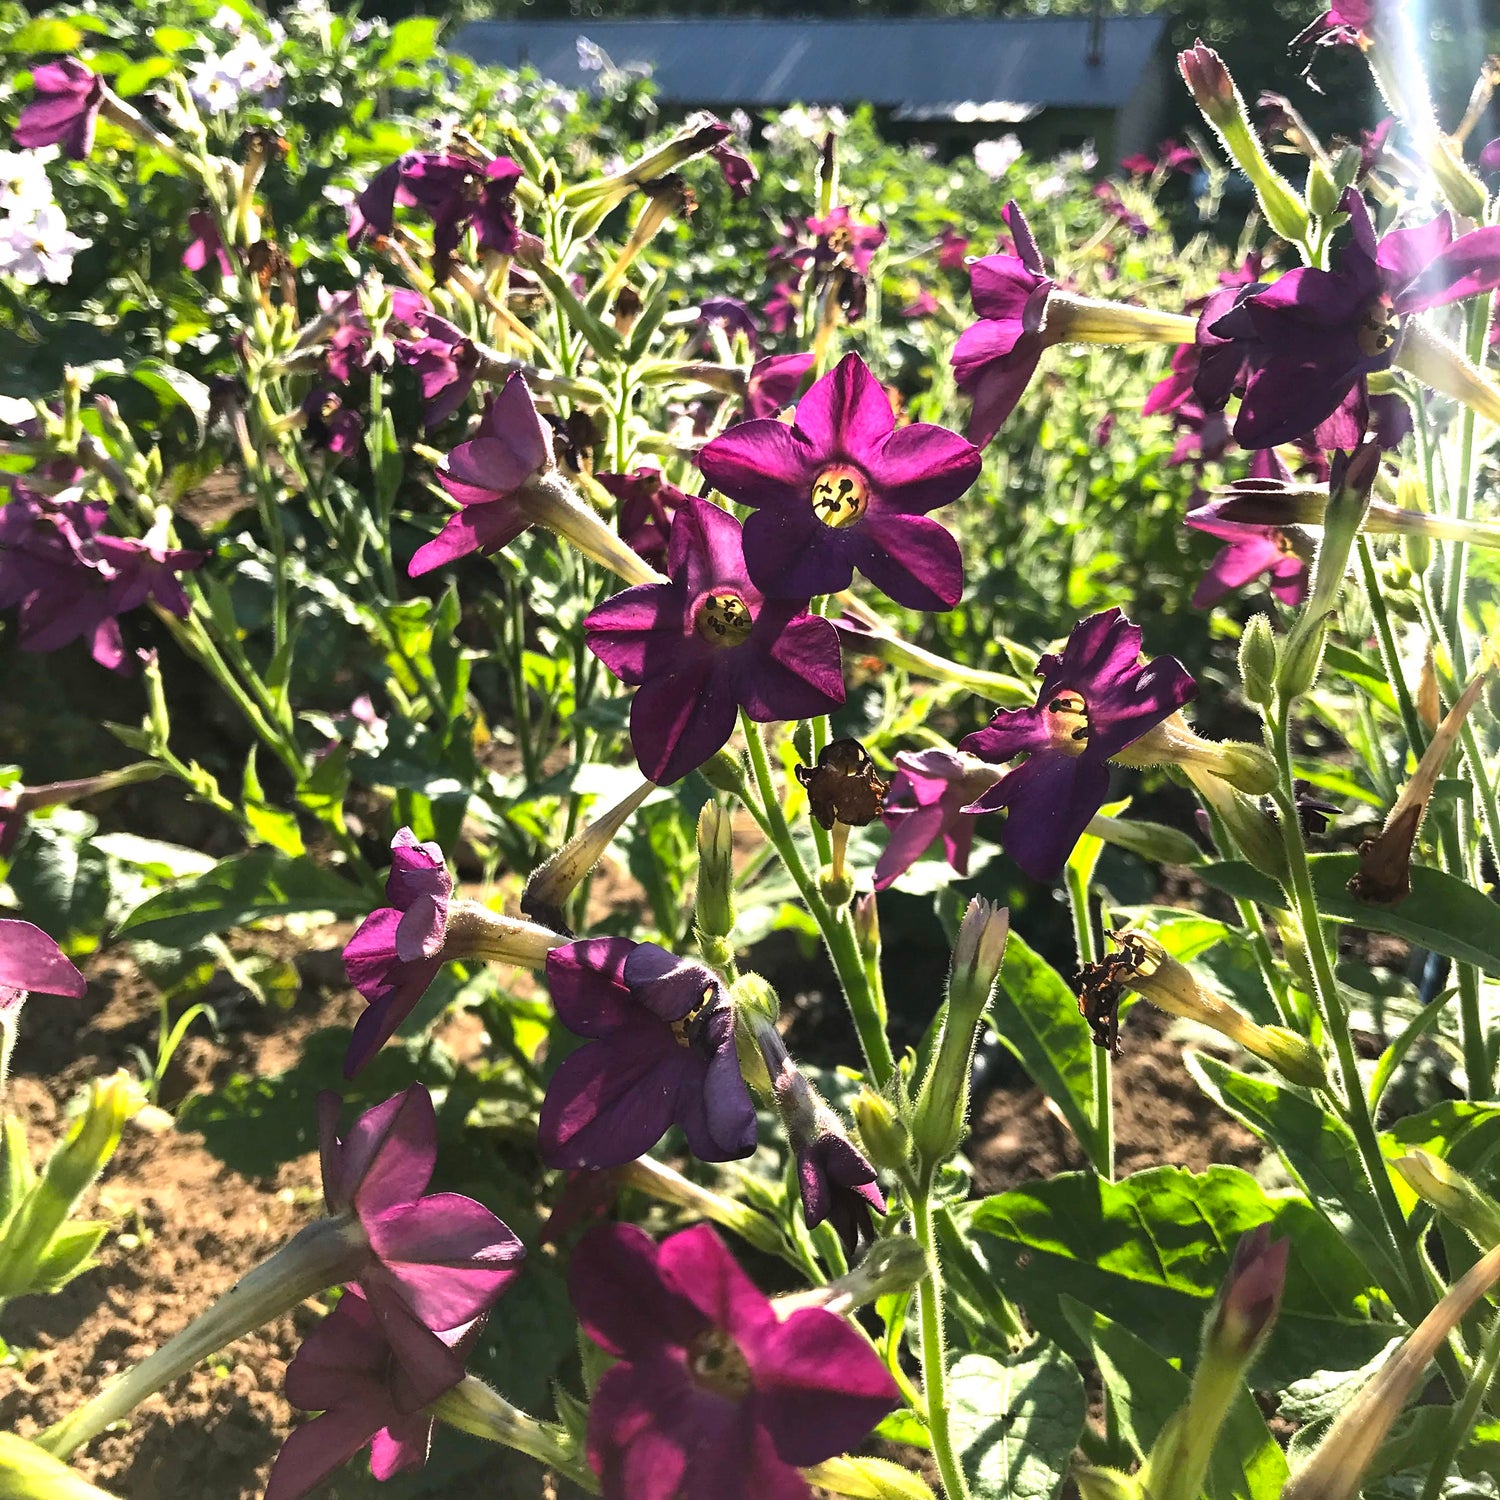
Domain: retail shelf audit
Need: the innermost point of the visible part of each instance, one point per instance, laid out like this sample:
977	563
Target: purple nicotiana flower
836	1182
435	1261
702	646
71	579
926	802
205	244
1489	156
485	475
953	249
30	960
995	358
739	171
714	1393
348	1370
397	951
843	488
647	505
775	383
1281	552
455	191
660	1053
447	369
839	237
330	424
1097	697
1299	349
1346	23
65	108
730	314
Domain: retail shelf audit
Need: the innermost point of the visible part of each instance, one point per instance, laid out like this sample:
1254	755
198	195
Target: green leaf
174	387
248	888
45	34
1036	1015
1146	1389
141	75
1151	1252
1015	1422
70	1254
1442	913
1318	1148
270	825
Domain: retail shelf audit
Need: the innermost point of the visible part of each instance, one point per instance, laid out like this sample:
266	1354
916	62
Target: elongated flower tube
1247	767
1384	873
549	886
1267	504
1143	965
1336	1469
698	136
1453	1195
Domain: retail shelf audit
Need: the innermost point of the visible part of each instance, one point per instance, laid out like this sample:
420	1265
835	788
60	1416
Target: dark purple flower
72	580
775	383
330	424
1346	23
205	244
714	1394
843	488
1299	349
647	506
660	1053
435	1261
1252	550
447	370
30	960
1116	207
348	1370
780	308
926	802
739	171
64	111
1489	156
1097	697
953	249
836	1182
732	315
397	951
486	475
996	357
840	239
455	191
704	645
923	305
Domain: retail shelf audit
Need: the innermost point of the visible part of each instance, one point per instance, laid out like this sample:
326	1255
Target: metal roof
919	66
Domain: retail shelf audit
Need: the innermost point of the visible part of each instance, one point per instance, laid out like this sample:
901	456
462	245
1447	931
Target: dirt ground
186	1226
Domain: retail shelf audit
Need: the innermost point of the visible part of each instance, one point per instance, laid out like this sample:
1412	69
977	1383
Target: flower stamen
1068	721
716	1363
723	619
1376	333
840	495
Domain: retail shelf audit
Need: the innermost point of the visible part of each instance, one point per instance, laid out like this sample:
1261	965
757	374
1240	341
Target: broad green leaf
1318	1149
1442	913
270	825
174	387
1015	1422
1036	1015
45	34
1248	1464
413	40
141	75
1152	1250
248	888
154	857
868	1479
69	1255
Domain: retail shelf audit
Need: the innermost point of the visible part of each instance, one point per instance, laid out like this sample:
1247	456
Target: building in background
1056	81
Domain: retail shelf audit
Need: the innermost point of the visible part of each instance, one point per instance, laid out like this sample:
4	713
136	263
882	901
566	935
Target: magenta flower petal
64	111
586	980
775	382
418	885
995	389
847	412
1466	268
449	1256
391	986
400	1446
30	960
622	1301
918	562
309	1454
1051	799
760	463
678	722
386	1159
922	466
802	670
482	527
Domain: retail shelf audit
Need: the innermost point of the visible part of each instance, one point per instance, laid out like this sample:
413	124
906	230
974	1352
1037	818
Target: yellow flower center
682	1029
715	1362
1377	328
1068	722
840	495
1284	543
723	619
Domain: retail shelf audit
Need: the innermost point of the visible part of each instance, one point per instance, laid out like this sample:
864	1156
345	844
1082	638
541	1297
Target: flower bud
867	929
724	772
1256	835
882	1132
550	885
1322	191
1258	662
943	1101
1251	1297
756	1007
1429	701
1153	841
1453	1195
713	913
1209	83
1302	660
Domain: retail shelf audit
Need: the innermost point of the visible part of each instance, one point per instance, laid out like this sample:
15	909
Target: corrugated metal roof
920	65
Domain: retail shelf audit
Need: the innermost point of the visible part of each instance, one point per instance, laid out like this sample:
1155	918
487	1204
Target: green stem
1461	1423
837	929
1390	657
1413	1299
1088	953
934	1352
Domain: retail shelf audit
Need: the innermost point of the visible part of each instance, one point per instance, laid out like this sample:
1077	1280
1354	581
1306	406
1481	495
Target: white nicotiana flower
996	158
40	248
1049	188
218	83
24	185
226	18
590	56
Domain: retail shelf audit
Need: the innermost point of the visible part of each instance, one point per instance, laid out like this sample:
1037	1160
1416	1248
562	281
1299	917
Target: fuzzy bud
1251	1297
1453	1195
882	1132
1302	660
1209	83
1255	835
1322	191
1248	767
714	904
1258	662
1154	841
756	1008
867	928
